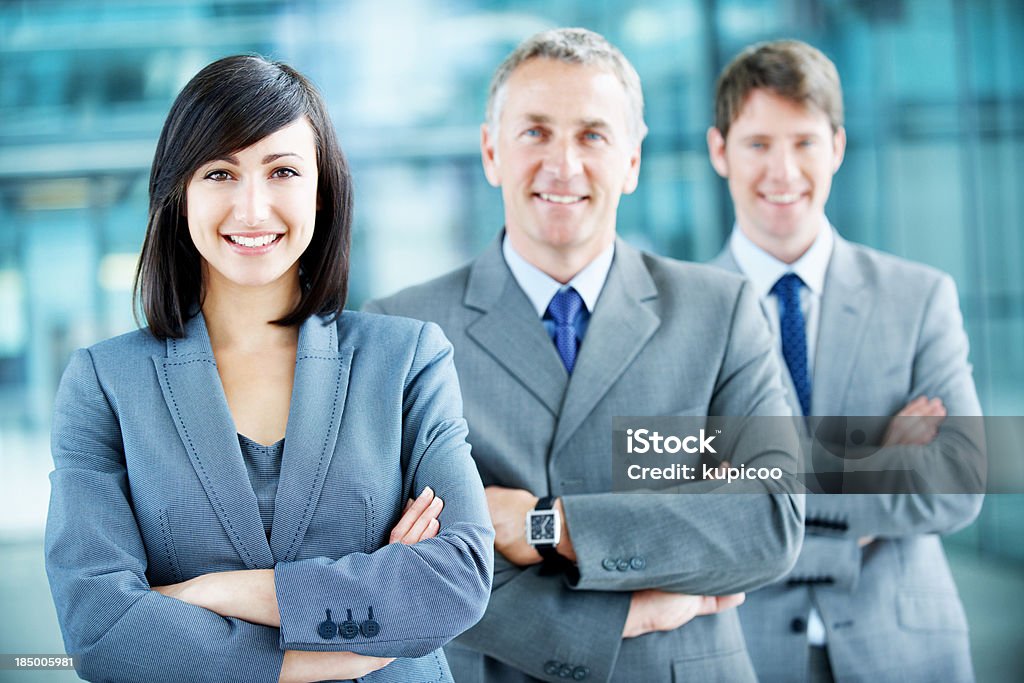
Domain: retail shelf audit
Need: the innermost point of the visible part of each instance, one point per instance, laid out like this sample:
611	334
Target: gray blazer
890	331
150	488
666	338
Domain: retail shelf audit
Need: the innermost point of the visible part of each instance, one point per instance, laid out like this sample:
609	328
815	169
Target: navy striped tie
793	331
564	307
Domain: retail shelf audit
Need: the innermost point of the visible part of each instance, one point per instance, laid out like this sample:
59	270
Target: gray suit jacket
150	488
665	338
890	331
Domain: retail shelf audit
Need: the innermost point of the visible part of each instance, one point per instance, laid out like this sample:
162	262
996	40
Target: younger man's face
779	159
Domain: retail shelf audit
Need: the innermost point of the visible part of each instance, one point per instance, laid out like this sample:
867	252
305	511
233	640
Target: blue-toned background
934	172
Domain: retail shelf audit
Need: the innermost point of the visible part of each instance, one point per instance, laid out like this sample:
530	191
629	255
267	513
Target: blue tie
794	336
564	307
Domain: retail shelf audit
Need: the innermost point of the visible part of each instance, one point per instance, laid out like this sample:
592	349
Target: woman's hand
248	594
419	521
304	667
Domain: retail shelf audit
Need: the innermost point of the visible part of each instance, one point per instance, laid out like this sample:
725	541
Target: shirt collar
763	270
539	287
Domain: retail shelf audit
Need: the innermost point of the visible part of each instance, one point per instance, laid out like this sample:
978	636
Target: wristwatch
544	528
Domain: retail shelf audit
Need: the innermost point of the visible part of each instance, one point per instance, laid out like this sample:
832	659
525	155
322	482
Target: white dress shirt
540	287
764	270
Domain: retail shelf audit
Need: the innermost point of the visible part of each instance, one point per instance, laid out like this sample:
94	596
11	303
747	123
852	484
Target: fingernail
427	491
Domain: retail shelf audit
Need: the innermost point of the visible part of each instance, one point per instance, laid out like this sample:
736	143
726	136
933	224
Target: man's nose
782	164
252	205
563	160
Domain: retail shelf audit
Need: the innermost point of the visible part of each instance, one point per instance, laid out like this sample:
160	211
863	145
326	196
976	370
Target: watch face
543	528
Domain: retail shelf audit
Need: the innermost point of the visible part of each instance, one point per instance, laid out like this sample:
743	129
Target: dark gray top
263	463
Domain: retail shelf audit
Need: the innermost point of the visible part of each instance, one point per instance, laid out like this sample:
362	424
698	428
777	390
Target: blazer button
370	627
348	628
637	563
609	563
565	671
798	625
579	673
622	565
327	629
551	667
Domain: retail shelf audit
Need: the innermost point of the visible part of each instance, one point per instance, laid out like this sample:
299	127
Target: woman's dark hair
228	106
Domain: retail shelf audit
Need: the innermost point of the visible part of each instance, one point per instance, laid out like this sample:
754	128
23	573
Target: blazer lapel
314	419
195	398
510	331
619	328
726	261
845	303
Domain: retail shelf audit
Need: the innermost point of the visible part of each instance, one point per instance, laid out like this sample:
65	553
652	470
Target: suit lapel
726	261
314	419
510	331
846	301
195	398
619	328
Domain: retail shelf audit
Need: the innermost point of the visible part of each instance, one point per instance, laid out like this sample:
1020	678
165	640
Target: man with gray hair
558	327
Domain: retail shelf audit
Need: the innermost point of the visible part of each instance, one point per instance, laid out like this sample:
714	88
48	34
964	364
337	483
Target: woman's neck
238	318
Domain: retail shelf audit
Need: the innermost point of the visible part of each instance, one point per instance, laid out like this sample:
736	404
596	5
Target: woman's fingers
419	521
411	514
419	529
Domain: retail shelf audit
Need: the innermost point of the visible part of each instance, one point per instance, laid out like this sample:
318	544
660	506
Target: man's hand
654	610
419	521
305	667
916	424
508	508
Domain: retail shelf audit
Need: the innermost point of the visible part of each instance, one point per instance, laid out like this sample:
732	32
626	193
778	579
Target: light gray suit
150	488
890	331
665	338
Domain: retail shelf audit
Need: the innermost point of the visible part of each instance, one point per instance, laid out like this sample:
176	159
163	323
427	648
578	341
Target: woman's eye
217	175
284	173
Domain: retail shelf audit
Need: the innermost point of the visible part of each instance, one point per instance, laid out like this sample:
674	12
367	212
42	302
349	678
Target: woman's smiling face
251	214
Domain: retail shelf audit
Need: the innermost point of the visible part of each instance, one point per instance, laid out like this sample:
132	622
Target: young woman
229	500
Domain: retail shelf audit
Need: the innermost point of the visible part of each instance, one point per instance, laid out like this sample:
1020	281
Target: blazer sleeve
955	459
421	595
114	625
704	543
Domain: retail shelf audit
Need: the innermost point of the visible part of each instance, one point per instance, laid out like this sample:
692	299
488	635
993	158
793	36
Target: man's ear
489	156
839	147
633	174
716	151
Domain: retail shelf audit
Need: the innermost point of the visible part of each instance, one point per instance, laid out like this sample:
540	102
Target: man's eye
593	137
533	133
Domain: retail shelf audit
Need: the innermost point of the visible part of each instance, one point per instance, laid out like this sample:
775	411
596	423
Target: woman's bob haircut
228	106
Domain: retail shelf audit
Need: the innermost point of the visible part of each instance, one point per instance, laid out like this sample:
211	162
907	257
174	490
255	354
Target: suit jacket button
622	565
609	563
637	563
579	673
327	628
348	628
369	628
551	667
565	671
798	625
